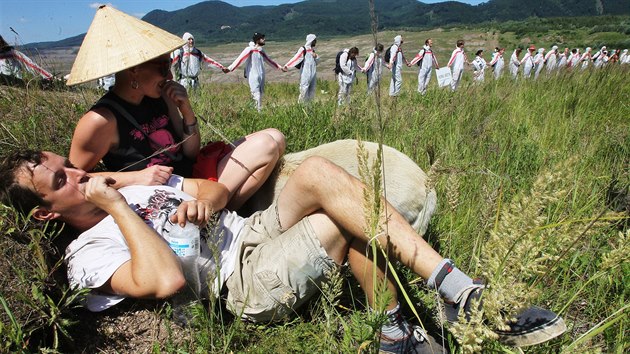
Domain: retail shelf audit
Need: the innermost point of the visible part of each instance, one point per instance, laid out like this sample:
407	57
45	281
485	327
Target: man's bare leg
319	185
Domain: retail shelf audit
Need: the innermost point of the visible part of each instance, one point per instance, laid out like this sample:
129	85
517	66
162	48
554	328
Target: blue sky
53	20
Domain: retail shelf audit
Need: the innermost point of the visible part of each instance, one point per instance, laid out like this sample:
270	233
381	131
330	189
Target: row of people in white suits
555	60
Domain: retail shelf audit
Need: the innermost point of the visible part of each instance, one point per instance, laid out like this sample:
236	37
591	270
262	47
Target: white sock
396	327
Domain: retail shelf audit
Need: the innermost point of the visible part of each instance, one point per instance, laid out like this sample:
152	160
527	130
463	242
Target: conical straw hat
116	41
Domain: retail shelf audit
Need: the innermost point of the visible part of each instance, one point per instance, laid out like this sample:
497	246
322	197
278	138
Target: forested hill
217	21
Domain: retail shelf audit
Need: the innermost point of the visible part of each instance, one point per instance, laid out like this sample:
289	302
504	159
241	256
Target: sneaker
533	325
418	341
463	301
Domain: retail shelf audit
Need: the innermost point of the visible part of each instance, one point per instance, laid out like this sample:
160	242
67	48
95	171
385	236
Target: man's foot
418	341
533	325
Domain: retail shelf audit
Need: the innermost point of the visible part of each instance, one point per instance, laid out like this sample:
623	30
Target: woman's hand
177	93
198	212
154	175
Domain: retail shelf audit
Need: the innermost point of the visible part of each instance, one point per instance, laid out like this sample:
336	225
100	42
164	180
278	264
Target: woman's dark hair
479	52
11	192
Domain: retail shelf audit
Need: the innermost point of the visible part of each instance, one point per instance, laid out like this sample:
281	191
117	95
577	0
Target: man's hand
225	70
198	212
99	191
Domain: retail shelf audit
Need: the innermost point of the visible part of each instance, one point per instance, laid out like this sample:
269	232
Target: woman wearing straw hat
145	128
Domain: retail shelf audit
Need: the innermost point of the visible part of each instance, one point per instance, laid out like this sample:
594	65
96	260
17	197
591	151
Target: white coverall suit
563	60
551	59
396	63
374	69
187	62
479	68
586	58
539	62
254	56
13	63
456	63
601	57
528	64
424	74
514	64
497	63
308	72
345	77
574	59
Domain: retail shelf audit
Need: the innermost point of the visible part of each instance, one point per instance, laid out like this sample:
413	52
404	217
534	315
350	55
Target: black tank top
135	146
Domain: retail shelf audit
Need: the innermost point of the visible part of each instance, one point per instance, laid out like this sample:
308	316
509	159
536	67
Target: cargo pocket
276	300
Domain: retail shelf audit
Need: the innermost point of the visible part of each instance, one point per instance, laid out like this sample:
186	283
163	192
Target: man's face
430	42
191	42
261	41
59	183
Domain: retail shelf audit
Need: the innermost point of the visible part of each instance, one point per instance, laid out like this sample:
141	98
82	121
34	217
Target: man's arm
153	270
240	59
417	58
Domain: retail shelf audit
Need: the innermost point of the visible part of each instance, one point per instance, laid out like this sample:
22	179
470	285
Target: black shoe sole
534	335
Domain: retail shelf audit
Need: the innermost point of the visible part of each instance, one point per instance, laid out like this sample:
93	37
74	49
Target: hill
218	22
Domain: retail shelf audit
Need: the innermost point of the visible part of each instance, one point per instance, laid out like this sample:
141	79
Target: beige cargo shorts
277	271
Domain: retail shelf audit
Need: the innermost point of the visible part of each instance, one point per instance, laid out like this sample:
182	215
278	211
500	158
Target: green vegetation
524	174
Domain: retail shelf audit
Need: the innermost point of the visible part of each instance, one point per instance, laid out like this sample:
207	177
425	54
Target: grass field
526	175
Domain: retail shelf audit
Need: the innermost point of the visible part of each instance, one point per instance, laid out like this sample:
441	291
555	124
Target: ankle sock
448	280
396	327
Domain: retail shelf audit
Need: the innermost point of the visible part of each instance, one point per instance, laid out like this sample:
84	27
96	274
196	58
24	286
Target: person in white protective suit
515	63
348	64
373	67
528	62
497	63
539	62
574	58
306	60
600	58
13	65
395	64
187	62
586	58
551	59
479	66
106	82
624	57
254	57
563	59
427	60
456	64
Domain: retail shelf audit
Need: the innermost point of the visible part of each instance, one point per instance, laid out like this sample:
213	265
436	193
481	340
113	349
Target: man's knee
321	168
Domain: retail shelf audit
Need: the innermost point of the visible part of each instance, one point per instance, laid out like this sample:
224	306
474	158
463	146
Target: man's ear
44	214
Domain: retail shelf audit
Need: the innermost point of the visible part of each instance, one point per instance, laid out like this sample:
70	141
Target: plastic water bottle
184	241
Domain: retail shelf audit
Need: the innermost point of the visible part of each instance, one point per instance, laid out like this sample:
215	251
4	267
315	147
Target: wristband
190	129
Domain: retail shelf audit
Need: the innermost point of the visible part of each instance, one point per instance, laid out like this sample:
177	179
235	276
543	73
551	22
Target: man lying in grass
270	263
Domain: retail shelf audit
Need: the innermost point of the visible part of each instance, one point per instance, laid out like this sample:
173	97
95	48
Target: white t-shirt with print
97	253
